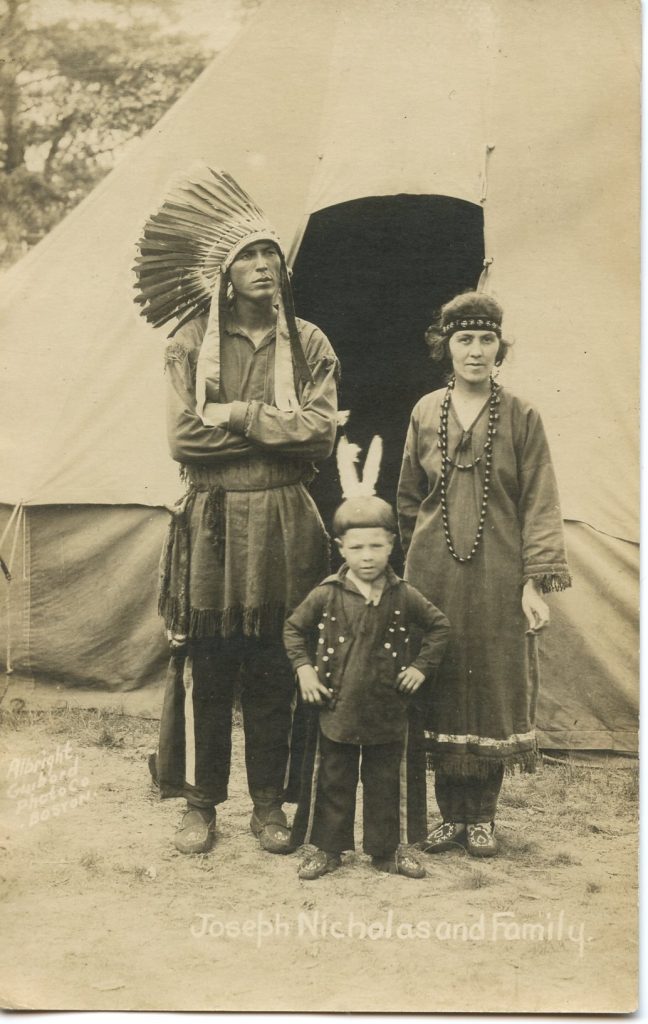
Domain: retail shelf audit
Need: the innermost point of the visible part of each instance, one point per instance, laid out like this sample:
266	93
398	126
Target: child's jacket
359	648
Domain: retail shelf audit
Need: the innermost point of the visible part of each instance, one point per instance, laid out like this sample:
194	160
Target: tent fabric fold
85	615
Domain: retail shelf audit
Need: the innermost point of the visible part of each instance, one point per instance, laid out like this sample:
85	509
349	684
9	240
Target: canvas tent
394	145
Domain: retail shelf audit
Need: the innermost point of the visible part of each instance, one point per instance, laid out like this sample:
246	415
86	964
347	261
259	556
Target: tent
397	146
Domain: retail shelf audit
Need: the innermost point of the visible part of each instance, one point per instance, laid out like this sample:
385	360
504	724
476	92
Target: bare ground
100	911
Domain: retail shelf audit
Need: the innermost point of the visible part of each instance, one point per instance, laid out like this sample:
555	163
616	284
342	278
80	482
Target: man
252	404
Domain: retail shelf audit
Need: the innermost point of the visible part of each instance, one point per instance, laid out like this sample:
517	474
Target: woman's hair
363	511
468	311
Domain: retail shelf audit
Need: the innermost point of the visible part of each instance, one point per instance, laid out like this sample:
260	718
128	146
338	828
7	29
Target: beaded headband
472	323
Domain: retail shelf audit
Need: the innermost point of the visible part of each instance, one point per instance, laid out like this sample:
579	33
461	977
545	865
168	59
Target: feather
372	466
347	456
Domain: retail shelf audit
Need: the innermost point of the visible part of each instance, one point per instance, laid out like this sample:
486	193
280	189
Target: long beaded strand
447	462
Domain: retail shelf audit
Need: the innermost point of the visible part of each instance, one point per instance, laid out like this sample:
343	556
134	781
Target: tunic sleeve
435	628
308	431
189	439
412	485
300	627
543	546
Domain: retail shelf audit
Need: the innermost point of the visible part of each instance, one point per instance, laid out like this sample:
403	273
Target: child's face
366	550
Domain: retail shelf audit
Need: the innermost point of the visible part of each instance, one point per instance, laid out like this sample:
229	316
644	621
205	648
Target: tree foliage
73	93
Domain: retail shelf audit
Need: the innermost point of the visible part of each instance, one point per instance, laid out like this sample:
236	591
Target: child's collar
371	592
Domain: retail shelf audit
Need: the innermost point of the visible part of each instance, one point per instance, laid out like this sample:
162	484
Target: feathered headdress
347	455
185	252
361	507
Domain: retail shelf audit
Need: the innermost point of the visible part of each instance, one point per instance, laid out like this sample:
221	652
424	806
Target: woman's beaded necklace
447	462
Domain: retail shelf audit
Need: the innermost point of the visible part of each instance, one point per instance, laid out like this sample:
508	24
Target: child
360	678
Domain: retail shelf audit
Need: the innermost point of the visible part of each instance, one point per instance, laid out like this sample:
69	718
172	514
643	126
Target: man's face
255	271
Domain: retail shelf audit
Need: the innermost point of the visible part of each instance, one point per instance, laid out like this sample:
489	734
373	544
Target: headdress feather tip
348	455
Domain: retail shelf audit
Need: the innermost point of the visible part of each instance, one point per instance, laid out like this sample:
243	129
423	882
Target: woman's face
473	355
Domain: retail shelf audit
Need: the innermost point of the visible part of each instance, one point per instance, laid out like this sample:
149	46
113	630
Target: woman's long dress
482	706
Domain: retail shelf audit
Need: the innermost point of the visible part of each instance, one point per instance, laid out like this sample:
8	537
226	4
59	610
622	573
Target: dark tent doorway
371	273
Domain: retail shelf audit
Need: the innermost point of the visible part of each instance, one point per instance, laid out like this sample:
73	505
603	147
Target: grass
563	859
572	795
478	879
92	861
140	872
81	726
522	846
565	798
107	737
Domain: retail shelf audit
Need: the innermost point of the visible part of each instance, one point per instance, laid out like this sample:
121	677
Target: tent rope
3	564
488	260
488	149
26	616
16	518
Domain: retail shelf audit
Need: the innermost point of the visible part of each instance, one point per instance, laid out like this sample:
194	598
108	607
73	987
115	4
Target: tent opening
371	273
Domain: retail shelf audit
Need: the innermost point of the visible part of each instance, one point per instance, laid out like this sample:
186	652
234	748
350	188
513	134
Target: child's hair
356	513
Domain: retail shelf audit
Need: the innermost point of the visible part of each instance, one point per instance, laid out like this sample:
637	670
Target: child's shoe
317	864
405	861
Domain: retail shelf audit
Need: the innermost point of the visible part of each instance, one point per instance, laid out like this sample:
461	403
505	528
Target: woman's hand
312	691
533	606
410	679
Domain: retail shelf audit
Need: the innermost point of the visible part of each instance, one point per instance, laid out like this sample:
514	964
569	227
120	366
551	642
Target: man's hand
312	691
535	609
177	641
410	679
217	414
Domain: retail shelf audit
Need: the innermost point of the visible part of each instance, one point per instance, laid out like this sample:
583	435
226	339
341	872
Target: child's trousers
332	798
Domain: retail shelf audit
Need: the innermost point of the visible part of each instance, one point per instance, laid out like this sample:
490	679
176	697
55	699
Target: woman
482	531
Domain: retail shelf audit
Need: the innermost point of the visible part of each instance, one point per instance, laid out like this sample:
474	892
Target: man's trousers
196	727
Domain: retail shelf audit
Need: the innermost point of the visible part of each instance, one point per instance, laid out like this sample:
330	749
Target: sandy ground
100	911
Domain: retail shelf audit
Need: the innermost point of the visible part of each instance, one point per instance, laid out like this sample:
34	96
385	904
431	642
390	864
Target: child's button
341	639
330	650
320	625
321	640
387	647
